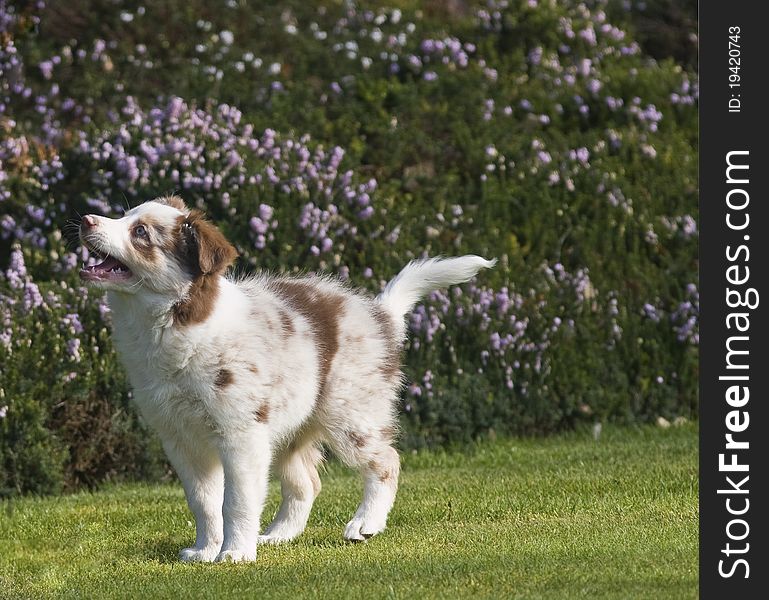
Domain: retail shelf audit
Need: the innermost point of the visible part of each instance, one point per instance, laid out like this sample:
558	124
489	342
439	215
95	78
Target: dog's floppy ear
207	246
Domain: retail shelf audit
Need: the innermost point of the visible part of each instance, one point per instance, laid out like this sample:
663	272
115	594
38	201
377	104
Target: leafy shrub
64	402
351	139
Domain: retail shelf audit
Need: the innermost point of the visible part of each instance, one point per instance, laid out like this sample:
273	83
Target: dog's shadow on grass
166	550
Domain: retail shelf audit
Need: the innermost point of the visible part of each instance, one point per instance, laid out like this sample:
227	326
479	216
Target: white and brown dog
240	375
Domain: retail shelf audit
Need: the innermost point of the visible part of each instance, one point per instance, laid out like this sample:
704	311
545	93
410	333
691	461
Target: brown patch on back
262	413
224	378
205	253
390	366
285	320
357	439
322	310
269	325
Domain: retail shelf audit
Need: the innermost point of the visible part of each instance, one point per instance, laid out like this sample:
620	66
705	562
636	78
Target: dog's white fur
276	367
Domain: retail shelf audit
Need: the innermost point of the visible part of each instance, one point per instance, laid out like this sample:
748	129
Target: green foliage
539	133
67	421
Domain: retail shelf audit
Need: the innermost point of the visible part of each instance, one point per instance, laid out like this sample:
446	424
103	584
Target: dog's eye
140	231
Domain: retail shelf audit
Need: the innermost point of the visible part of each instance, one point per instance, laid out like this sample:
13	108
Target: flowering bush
350	140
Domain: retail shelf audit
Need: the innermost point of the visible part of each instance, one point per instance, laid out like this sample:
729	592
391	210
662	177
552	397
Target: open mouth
109	269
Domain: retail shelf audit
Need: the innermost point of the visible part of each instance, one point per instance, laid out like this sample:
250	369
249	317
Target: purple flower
495	340
46	68
535	55
17	271
650	311
588	34
72	320
73	349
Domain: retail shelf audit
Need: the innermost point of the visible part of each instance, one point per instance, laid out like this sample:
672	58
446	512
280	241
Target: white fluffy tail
420	277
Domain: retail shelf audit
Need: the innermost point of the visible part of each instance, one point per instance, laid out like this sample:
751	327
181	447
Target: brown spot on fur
224	378
198	303
173	243
322	310
384	474
174	201
262	413
390	366
357	439
388	433
205	253
269	326
285	320
254	369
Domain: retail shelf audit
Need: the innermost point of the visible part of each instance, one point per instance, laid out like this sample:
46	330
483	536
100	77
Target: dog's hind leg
296	466
378	462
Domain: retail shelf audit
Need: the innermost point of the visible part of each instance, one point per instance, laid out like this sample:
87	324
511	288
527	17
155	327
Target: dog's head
161	246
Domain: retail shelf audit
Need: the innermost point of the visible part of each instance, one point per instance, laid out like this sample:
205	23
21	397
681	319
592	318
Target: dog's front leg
246	459
200	471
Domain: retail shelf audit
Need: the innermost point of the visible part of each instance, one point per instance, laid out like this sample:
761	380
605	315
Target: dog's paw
198	554
236	556
280	532
361	529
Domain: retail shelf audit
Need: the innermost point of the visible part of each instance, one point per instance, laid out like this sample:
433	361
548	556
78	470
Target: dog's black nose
88	222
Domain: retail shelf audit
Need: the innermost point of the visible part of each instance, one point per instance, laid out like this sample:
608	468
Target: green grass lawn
562	517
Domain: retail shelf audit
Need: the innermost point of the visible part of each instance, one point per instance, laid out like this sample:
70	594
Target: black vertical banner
734	299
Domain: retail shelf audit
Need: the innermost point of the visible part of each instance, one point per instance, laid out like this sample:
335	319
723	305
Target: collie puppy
239	376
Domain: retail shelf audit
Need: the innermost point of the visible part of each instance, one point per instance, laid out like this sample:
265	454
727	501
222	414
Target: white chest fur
217	374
